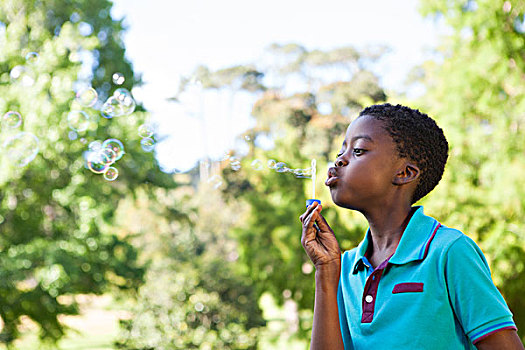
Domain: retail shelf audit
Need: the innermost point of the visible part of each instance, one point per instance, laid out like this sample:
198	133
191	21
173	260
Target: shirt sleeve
477	303
343	321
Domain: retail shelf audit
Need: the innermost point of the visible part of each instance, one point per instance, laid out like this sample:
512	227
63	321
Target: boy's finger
308	211
323	225
309	234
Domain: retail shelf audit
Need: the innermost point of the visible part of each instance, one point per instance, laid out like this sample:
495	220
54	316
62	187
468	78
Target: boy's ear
409	173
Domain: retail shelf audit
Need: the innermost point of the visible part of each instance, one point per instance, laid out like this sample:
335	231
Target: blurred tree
475	89
56	235
194	296
304	101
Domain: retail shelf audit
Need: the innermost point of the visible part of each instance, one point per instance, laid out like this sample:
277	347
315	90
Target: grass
95	328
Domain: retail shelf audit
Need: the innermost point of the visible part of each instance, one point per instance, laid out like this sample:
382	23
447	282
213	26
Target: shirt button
369	299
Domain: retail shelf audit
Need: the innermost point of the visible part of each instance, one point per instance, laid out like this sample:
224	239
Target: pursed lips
332	177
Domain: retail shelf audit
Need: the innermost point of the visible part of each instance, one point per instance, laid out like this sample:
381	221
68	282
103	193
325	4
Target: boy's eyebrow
366	137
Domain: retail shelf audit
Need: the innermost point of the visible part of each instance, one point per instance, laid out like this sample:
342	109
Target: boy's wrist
327	275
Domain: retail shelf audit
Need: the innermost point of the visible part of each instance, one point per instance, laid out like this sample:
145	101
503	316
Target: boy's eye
358	151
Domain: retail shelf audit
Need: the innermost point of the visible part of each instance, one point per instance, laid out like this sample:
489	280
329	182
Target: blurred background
155	157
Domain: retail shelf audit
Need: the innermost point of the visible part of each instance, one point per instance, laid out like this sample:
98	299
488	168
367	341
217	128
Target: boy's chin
344	202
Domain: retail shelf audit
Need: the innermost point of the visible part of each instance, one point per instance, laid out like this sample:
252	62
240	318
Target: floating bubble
95	146
21	148
12	119
247	138
108	155
83	141
271	163
78	120
215	181
146	130
257	164
126	100
97	162
281	167
116	146
87	97
111	173
302	173
32	57
72	135
112	108
118	78
129	108
147	144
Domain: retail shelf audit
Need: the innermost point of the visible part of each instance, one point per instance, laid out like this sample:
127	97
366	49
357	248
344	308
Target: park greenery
197	259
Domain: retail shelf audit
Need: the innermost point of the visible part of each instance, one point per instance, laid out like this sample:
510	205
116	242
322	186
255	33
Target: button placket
370	293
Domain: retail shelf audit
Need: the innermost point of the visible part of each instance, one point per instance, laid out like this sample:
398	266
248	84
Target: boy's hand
319	241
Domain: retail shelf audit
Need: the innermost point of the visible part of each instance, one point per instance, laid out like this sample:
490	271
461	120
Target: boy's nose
339	162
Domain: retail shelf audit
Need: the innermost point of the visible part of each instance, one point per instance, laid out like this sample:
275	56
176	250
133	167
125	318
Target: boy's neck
386	229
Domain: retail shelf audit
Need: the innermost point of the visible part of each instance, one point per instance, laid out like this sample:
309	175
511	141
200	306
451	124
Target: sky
168	39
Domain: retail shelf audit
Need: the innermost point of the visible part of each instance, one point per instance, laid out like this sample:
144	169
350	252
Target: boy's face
366	166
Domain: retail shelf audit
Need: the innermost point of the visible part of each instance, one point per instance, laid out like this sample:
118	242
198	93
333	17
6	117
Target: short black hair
418	138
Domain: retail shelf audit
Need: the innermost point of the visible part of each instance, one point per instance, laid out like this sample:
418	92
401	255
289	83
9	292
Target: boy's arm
326	331
322	248
506	339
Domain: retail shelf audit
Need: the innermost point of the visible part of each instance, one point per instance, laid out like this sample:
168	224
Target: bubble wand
314	174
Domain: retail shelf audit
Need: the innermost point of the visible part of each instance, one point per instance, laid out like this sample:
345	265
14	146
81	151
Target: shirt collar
413	244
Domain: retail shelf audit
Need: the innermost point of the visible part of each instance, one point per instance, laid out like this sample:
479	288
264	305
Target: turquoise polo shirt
434	292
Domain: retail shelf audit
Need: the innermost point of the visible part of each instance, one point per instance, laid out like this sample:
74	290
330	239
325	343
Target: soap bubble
247	138
147	144
95	146
302	173
108	155
21	148
121	103
146	130
12	119
72	135
126	100
111	173
116	146
281	167
118	78
78	120
87	97
112	108
257	164
32	57
271	163
215	181
97	162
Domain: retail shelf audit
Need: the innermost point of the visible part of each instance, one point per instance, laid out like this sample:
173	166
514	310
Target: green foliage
194	296
476	93
56	235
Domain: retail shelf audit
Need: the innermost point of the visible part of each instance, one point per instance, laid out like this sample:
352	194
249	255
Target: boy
412	283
